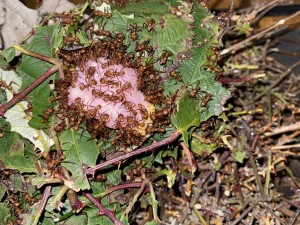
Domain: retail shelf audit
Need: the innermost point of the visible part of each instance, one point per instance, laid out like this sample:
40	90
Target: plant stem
253	164
234	48
121	158
134	200
268	173
119	187
278	81
46	195
27	90
102	209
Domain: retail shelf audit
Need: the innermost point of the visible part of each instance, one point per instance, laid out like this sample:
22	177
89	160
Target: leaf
3	62
12	154
194	75
75	220
173	35
206	27
81	152
144	8
19	120
114	177
44	42
3	190
4	213
170	174
9	54
201	148
28	217
153	222
187	115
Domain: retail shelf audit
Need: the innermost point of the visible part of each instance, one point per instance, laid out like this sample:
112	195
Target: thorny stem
232	49
46	195
119	187
121	158
102	209
27	90
57	67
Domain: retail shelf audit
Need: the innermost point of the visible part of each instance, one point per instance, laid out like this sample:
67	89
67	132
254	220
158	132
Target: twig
253	165
135	198
119	187
200	217
238	184
248	41
288	71
189	156
288	128
249	209
102	209
281	147
294	218
295	204
121	158
268	173
46	195
242	79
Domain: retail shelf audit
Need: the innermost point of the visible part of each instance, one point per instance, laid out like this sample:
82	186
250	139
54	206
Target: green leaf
3	190
187	115
206	27
173	35
81	152
75	220
114	177
170	174
9	53
3	62
144	8
4	213
12	154
201	148
44	42
153	222
19	120
194	75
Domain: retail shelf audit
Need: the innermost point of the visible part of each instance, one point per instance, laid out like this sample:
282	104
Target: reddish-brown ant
150	25
133	29
71	40
164	57
206	99
194	92
125	87
143	111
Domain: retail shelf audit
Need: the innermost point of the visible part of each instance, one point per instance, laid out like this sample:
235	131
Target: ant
133	29
206	99
125	87
175	75
149	25
194	92
71	40
143	111
164	57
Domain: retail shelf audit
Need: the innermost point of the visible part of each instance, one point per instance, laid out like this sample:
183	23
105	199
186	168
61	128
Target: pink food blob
112	89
